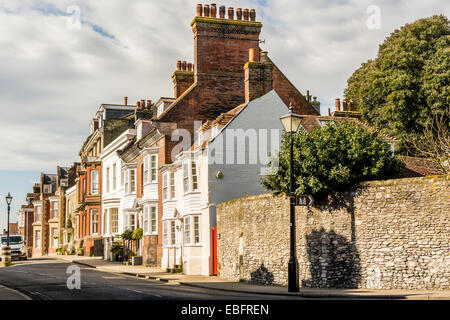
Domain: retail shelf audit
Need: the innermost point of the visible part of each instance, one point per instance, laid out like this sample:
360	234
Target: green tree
408	82
332	158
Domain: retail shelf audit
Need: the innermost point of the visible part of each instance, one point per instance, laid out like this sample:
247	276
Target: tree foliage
332	158
408	82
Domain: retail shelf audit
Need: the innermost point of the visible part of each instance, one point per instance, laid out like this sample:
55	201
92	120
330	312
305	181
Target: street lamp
8	201
291	123
6	250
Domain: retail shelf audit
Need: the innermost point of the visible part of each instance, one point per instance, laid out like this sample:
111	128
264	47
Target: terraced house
109	122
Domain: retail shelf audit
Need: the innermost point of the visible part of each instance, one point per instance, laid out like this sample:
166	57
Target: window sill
193	245
191	192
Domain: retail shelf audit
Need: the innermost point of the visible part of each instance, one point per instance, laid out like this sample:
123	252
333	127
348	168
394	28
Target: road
46	279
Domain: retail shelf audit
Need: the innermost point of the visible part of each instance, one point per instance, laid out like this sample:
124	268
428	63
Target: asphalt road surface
46	279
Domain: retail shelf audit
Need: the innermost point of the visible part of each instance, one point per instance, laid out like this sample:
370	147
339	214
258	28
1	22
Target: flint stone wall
391	234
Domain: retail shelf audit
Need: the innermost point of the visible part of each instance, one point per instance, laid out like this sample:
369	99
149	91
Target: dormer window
47	188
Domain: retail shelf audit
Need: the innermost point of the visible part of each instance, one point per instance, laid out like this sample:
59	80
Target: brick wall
390	234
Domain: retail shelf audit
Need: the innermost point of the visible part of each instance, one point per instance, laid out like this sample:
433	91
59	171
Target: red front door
214	250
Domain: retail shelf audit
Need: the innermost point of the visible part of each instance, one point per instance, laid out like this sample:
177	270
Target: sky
59	60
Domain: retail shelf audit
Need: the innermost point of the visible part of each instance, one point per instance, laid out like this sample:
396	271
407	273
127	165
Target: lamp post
291	123
6	250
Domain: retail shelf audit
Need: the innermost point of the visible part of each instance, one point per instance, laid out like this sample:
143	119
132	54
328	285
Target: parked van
17	245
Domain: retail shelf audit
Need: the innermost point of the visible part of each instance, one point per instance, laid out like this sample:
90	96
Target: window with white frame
194	182
132	182
190	176
114	185
187	230
94	182
146	219
107	179
165	233
54	234
165	186
153	220
172	232
192	230
172	185
94	221
114	218
122	176
37	239
125	178
154	168
146	169
54	209
185	177
38	214
131	221
196	232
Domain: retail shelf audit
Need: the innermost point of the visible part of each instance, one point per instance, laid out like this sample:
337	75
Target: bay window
37	239
146	216
190	176
38	214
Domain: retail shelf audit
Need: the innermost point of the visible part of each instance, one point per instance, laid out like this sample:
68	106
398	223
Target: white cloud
53	79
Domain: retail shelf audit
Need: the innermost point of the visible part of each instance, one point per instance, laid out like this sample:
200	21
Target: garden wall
385	235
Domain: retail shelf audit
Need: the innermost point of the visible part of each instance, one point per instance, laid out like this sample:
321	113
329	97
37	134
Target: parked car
17	245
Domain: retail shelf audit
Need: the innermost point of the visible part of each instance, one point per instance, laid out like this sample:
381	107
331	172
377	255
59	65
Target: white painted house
226	162
113	196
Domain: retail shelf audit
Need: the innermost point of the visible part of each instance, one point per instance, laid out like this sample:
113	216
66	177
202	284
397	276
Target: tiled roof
419	167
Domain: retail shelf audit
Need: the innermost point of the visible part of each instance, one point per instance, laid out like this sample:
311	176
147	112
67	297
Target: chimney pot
253	55
263	56
337	104
239	14
199	10
183	66
222	12
142	103
230	13
138	104
246	14
308	97
149	104
213	10
344	104
252	15
178	65
189	66
125	101
206	10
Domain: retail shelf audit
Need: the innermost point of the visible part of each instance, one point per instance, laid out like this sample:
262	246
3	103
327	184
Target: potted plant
137	236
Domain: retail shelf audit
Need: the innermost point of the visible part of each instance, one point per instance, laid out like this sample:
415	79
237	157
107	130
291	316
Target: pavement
10	294
216	283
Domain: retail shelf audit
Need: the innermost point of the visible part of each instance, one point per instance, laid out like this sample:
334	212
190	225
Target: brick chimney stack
213	37
344	105
182	78
258	76
337	104
125	101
